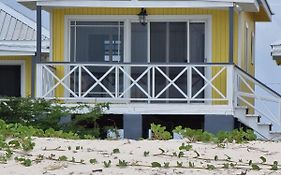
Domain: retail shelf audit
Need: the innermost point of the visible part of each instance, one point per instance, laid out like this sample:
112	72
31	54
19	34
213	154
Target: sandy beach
202	158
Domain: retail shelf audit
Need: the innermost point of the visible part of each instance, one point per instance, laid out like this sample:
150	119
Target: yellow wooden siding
27	61
220	32
247	19
278	61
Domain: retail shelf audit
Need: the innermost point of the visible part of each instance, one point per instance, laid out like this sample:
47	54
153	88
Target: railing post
235	88
39	80
80	81
230	86
280	111
189	82
117	81
153	82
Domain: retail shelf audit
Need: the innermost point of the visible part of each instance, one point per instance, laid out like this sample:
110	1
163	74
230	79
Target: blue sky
266	33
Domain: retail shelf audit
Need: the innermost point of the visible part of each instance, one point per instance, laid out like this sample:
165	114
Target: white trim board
139	4
172	109
20	63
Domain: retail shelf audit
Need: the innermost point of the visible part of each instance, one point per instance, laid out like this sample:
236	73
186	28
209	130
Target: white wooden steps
253	121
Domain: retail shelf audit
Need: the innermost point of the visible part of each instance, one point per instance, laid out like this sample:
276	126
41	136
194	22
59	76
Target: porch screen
96	41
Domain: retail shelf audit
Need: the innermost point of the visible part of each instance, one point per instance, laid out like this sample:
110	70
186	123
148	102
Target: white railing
259	98
155	83
212	84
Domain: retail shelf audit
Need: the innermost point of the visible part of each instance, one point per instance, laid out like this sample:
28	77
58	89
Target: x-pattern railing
68	75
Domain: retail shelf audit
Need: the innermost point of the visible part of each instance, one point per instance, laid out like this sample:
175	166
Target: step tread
275	132
241	107
252	115
265	124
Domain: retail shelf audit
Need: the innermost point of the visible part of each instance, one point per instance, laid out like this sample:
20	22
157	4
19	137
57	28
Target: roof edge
24	19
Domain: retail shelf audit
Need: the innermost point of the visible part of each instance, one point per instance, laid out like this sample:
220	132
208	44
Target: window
247	48
96	41
253	47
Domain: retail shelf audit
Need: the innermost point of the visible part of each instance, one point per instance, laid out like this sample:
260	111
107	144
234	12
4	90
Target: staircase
257	106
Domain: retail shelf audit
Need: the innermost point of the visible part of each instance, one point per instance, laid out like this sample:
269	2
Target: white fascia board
135	4
23	46
23	19
16	53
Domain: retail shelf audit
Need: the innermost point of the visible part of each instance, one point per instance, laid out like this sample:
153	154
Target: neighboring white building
276	51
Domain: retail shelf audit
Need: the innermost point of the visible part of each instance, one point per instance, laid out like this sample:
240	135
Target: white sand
132	151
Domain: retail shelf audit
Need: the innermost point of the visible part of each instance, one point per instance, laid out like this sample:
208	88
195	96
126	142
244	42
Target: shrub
46	115
86	124
36	112
159	132
237	135
194	135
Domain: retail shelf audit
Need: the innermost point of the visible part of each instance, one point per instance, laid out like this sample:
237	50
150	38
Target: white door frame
20	63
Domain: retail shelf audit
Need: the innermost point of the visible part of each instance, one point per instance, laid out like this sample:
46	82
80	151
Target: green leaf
255	167
93	161
26	162
274	166
166	164
107	164
155	164
250	162
185	147
225	165
122	163
162	150
227	157
191	164
179	164
181	154
146	153
62	158
197	154
263	159
116	151
216	158
210	167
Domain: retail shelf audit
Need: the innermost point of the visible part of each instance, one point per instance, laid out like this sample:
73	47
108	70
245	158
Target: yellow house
17	47
186	62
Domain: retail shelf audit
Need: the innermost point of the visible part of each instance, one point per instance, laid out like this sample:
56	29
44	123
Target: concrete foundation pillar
216	123
132	124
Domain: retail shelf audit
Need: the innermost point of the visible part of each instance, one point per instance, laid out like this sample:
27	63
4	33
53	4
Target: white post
80	81
280	111
116	81
153	82
230	85
189	82
39	80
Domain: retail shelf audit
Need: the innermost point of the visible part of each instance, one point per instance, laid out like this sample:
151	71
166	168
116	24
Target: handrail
135	64
265	110
258	81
